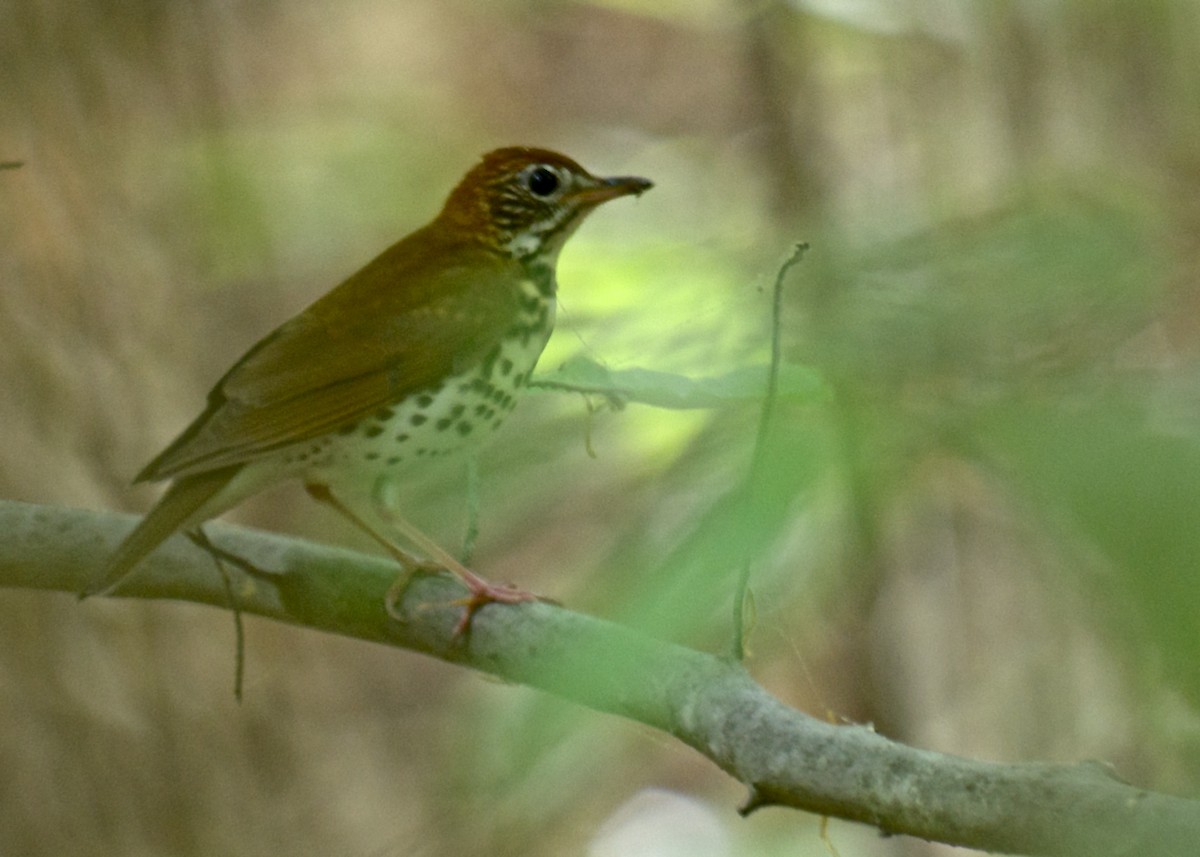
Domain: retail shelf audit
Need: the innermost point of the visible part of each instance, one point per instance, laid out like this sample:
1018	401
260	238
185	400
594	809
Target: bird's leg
472	534
480	591
411	563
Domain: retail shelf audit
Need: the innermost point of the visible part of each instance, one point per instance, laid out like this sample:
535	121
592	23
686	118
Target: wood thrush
420	353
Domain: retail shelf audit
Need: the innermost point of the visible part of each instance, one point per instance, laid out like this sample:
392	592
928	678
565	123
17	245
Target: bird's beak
605	189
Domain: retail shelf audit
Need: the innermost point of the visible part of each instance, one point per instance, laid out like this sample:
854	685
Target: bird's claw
480	593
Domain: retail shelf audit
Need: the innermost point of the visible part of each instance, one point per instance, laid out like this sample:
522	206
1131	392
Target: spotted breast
455	413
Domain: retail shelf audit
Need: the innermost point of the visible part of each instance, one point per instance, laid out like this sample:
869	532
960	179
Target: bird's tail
187	503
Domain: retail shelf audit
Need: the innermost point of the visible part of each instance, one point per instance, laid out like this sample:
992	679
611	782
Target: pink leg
481	592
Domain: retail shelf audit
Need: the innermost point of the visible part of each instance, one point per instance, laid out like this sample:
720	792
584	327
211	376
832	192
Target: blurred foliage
978	525
666	390
1020	341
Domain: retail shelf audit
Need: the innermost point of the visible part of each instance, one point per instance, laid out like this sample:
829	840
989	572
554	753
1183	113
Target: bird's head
526	202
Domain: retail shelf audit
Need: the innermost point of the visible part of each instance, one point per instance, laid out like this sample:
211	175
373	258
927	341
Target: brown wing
409	319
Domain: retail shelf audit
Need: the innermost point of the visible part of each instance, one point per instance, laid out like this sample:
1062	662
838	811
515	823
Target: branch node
756	799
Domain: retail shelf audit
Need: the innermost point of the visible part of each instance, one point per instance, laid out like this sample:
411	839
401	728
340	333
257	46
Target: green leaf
667	390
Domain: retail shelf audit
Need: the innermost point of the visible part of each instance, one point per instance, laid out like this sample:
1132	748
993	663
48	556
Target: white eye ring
543	181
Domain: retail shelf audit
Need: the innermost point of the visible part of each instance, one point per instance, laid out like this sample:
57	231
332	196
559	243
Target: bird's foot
480	592
413	568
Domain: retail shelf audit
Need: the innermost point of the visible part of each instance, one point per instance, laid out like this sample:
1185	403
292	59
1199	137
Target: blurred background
983	540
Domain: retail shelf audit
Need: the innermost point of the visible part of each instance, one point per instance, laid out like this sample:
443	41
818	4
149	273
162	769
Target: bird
419	354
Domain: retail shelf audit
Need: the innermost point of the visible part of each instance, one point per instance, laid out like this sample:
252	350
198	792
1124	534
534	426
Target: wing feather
420	312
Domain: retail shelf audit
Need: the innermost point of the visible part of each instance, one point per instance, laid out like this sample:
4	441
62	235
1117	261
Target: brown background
988	538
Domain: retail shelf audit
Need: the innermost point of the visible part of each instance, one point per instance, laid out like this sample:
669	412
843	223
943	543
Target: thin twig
220	557
758	458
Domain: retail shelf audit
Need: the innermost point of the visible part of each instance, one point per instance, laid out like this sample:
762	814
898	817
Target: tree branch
785	757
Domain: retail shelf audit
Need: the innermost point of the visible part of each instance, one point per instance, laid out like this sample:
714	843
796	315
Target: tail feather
184	505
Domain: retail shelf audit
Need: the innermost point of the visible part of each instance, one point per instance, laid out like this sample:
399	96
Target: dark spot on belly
489	362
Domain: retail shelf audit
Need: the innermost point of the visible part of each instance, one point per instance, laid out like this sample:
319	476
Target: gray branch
784	757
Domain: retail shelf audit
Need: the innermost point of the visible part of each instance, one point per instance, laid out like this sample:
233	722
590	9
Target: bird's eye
541	181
